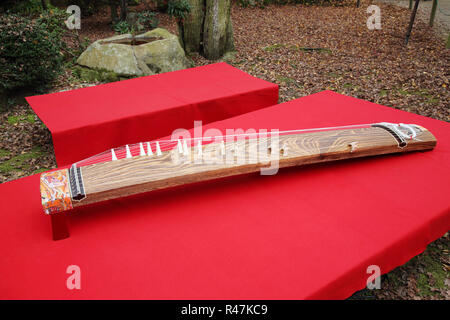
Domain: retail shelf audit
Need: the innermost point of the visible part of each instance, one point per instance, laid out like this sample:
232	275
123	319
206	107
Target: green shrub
178	8
132	3
29	54
253	3
24	7
161	5
88	7
122	27
147	19
53	21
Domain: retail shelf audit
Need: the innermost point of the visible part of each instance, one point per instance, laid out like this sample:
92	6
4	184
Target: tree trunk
411	22
208	28
113	5
123	10
218	30
3	99
191	28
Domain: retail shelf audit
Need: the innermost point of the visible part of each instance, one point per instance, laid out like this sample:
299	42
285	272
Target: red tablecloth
88	121
306	232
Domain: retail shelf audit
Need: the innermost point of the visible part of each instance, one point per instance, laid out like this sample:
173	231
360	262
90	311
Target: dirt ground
442	15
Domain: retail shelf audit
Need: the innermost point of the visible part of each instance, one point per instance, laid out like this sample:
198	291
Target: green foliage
25	7
161	5
19	162
134	2
53	21
122	27
147	19
30	118
274	47
88	7
30	55
81	46
4	153
178	8
91	75
254	3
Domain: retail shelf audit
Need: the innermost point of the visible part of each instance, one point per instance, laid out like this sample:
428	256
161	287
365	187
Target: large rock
156	51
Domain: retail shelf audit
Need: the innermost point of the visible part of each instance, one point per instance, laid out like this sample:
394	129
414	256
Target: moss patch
39	170
29	118
320	50
274	47
432	277
19	162
383	93
288	81
229	56
13	119
94	75
350	86
424	93
4	153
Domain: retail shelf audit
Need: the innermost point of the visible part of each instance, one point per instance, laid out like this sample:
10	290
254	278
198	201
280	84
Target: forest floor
304	49
442	15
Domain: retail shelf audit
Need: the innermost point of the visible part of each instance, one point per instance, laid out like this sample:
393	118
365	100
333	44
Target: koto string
120	154
166	145
170	145
312	148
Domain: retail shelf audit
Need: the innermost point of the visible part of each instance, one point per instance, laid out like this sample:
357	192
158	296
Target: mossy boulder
156	51
95	75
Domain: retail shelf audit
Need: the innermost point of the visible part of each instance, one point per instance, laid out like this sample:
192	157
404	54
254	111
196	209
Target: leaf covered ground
304	49
310	49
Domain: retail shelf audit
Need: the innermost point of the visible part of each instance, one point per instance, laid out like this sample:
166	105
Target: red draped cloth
90	120
306	233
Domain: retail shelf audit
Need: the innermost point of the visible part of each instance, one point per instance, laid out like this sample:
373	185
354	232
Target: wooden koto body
193	161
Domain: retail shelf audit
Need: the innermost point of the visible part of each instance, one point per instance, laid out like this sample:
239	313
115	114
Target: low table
305	233
90	120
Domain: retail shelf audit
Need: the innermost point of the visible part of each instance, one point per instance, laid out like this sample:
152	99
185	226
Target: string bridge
401	132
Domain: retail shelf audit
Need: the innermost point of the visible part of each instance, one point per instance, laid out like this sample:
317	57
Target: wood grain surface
139	174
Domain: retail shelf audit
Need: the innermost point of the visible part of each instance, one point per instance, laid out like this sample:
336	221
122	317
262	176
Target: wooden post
410	4
60	229
411	21
433	12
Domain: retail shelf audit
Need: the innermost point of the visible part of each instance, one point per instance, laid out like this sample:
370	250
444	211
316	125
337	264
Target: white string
268	133
165	143
313	149
182	146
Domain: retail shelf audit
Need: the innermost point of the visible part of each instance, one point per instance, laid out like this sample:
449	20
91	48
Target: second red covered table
88	121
